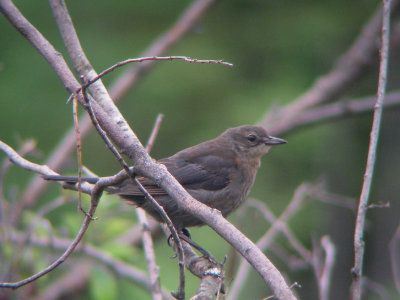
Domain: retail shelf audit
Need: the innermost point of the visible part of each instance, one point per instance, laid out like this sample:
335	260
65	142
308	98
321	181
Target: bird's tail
70	179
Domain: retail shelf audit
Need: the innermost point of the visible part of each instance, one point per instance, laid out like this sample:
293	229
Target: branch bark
119	131
359	245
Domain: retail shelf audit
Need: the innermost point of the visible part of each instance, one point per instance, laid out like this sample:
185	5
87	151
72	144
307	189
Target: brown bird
218	173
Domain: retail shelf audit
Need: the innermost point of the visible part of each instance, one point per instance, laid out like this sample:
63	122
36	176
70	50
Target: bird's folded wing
208	172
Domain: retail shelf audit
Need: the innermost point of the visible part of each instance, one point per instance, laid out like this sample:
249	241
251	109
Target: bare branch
175	235
23	163
154	132
173	35
121	86
119	131
141	214
323	270
359	246
159	208
133	236
96	193
72	282
347	69
142	59
335	111
153	269
120	268
282	227
210	285
211	275
113	123
265	240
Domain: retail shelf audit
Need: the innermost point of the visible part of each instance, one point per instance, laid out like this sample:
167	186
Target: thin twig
336	111
142	59
184	25
282	227
113	123
103	134
154	132
118	89
294	262
148	249
71	283
359	246
131	174
96	193
243	271
133	235
120	268
323	270
181	289
153	269
78	139
346	70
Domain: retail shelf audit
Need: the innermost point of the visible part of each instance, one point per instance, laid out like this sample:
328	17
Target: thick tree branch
119	131
121	86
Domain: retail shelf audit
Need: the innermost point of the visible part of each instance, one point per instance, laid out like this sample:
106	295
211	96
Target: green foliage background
278	49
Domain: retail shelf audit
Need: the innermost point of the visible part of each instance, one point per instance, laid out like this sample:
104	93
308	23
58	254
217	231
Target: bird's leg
186	232
185	235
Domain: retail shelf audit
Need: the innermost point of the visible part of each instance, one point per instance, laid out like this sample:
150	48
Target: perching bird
218	173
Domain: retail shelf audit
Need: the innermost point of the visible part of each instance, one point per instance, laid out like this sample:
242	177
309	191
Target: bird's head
251	141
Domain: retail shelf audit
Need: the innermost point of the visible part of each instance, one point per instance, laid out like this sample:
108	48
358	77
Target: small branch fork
126	81
113	123
5	7
96	193
149	197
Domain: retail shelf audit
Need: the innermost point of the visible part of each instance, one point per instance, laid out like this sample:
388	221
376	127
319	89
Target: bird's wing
206	172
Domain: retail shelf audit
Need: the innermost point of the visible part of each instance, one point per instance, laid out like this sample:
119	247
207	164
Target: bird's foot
185	236
204	252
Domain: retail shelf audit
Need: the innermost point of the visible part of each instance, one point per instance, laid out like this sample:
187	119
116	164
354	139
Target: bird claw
207	255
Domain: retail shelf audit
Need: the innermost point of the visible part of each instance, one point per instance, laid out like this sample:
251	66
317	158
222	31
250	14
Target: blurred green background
278	49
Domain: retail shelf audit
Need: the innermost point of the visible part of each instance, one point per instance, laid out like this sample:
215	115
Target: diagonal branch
348	68
294	205
121	86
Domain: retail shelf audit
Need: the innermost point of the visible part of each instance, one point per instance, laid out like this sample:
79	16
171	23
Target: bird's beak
272	141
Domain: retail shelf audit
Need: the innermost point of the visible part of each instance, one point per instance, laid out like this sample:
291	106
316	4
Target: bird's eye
251	138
